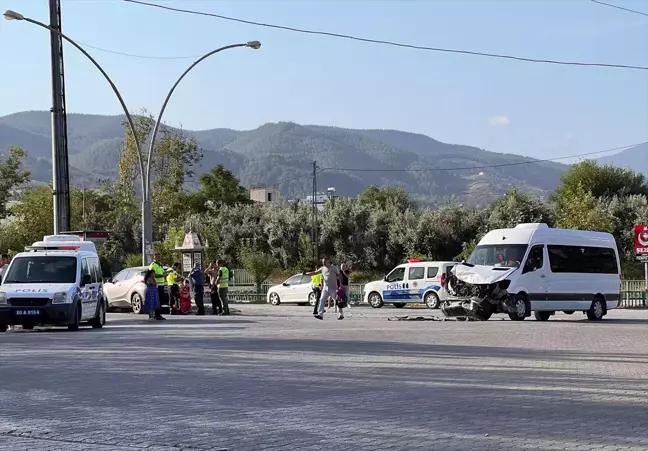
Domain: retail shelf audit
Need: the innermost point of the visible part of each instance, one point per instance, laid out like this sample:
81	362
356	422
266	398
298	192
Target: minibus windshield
498	255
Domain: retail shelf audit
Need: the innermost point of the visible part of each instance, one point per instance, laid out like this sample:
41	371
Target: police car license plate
28	312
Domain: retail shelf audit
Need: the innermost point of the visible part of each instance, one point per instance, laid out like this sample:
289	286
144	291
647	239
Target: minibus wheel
521	307
596	310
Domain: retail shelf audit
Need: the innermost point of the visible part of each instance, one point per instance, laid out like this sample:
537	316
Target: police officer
316	284
222	280
160	274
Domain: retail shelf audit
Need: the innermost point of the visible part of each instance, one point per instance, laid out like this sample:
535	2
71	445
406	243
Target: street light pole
147	205
147	210
12	15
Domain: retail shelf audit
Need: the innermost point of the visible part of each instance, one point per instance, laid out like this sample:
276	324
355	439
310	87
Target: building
265	195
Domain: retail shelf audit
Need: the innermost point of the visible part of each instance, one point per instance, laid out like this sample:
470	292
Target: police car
412	282
56	282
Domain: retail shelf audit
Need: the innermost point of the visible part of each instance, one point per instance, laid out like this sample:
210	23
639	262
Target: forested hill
281	155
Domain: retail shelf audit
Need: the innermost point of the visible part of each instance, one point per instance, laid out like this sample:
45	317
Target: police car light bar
53	248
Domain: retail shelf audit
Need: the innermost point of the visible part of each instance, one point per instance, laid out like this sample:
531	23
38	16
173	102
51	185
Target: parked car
295	290
126	290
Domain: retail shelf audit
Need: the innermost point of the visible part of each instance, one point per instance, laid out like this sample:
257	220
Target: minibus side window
535	260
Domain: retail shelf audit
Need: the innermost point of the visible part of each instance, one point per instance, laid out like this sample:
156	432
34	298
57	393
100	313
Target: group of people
180	289
331	288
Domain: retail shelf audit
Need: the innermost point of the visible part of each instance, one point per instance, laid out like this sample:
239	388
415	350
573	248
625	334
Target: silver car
126	290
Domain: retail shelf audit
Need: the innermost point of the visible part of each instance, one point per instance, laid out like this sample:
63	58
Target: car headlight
3	298
60	298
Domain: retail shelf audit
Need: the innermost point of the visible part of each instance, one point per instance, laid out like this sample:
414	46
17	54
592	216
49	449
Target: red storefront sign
641	240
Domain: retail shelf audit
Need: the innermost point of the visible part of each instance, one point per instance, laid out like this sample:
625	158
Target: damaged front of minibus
479	287
476	295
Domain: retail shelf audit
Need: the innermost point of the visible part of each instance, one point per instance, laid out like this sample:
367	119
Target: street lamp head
253	44
13	15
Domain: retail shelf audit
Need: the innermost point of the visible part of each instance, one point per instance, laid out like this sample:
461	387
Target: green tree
390	195
258	264
12	175
516	208
218	187
579	209
601	181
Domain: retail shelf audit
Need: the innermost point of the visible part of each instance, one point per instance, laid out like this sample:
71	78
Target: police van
412	282
55	282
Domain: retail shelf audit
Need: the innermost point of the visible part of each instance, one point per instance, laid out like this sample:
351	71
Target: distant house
265	195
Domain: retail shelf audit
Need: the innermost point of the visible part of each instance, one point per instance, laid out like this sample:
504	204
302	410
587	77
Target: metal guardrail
633	293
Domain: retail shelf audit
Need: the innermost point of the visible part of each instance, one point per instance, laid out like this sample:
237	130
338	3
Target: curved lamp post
147	214
147	207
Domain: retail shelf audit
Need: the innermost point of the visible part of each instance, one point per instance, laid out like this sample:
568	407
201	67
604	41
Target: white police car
55	283
414	281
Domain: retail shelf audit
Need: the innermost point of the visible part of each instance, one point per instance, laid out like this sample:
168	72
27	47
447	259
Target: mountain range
280	155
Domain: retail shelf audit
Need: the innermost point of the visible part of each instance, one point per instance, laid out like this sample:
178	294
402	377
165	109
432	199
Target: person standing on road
174	288
222	280
344	280
152	297
160	275
4	263
212	272
316	283
197	281
331	280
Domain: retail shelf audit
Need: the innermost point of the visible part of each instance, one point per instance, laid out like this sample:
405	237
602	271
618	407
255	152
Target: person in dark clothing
197	281
345	272
217	305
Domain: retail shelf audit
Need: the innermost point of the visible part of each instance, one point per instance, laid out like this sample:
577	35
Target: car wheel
432	300
399	304
312	299
76	320
596	311
100	320
375	300
274	299
542	316
137	304
521	308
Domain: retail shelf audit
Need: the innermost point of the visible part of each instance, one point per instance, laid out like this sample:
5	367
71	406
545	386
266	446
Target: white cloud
498	121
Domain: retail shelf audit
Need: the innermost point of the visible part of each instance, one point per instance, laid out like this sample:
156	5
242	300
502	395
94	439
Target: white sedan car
296	290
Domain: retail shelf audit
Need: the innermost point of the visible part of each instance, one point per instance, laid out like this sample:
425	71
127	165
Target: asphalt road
275	378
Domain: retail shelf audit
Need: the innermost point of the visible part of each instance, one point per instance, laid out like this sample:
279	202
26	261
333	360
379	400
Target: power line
383	42
132	55
486	166
619	7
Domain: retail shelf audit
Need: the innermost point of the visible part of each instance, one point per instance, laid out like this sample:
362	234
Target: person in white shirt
331	280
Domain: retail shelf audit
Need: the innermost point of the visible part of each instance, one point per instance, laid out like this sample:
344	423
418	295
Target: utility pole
60	168
314	225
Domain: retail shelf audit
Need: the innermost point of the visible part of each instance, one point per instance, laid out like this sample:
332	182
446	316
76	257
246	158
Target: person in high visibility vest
174	288
316	284
222	280
160	274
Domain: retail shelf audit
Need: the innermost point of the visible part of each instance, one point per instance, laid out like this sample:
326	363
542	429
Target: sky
538	110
